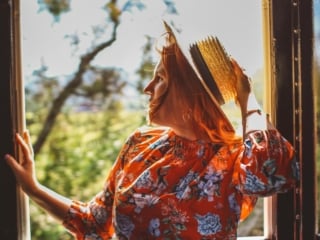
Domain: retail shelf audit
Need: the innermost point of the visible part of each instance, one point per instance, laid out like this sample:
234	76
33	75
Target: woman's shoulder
146	132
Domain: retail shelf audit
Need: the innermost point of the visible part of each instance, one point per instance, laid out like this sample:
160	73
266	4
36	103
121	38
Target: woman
191	177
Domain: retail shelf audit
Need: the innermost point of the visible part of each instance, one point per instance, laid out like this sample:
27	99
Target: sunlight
58	45
45	42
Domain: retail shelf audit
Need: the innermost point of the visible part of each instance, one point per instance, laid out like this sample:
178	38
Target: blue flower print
144	181
174	219
100	213
209	185
154	226
142	200
183	190
269	168
161	142
208	224
92	236
253	184
124	225
248	148
201	152
234	206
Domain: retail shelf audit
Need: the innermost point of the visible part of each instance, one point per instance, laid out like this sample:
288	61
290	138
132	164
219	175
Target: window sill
252	238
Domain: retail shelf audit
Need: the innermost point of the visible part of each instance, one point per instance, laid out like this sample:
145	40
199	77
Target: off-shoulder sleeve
94	220
265	166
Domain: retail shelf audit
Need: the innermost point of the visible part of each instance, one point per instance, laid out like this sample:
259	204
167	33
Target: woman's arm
25	174
267	163
253	117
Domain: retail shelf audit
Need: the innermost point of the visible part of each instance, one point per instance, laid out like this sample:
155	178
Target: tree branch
70	88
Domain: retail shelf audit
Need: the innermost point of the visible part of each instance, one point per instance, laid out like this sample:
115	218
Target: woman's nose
148	88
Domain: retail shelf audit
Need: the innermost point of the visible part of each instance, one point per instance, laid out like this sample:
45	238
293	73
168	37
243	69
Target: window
290	61
15	220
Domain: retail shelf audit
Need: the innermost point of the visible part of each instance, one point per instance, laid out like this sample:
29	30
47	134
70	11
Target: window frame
8	219
290	44
14	223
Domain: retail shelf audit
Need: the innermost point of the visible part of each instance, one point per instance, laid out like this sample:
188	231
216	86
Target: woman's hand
52	202
243	86
24	171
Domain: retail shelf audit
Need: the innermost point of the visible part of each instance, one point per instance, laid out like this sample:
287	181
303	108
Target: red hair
209	120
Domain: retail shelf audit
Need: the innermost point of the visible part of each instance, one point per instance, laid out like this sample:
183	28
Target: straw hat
212	64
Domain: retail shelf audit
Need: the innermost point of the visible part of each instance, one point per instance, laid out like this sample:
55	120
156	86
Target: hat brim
212	64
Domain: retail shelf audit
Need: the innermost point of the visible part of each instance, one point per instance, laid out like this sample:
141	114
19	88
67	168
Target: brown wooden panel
8	221
295	116
308	126
284	228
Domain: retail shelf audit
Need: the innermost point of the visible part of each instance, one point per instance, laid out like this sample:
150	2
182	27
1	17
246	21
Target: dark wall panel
8	219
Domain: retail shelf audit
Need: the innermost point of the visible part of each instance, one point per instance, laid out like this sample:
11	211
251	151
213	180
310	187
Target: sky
236	23
317	25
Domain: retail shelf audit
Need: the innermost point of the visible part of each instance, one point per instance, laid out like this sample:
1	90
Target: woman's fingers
242	85
27	139
237	69
24	147
24	144
13	163
24	169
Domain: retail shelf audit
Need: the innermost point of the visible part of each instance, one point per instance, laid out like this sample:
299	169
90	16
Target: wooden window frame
14	220
292	53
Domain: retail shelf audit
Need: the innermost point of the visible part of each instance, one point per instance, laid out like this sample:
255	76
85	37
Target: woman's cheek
162	88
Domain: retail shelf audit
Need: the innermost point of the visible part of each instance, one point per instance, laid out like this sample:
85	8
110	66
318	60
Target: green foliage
77	157
55	7
318	177
114	11
316	78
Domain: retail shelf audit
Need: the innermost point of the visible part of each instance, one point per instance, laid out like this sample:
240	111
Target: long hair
208	119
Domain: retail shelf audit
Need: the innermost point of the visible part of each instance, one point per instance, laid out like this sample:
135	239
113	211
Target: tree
78	145
56	8
62	153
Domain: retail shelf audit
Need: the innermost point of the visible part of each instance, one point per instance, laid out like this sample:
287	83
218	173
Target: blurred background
85	64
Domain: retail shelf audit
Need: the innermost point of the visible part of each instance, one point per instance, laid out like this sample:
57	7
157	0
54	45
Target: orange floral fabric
163	186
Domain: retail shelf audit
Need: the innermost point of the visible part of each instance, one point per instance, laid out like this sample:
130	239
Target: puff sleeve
93	220
267	164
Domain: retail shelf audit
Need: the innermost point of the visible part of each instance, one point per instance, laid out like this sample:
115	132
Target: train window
248	43
241	29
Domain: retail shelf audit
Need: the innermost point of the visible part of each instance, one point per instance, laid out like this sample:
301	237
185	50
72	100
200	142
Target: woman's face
160	96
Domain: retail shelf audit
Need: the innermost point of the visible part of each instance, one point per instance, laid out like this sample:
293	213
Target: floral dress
163	186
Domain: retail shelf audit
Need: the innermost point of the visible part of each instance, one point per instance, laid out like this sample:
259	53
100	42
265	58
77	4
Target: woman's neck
187	131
